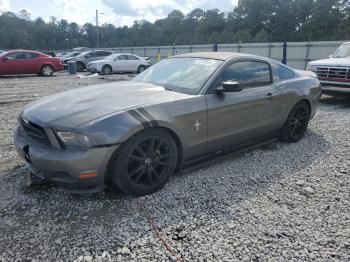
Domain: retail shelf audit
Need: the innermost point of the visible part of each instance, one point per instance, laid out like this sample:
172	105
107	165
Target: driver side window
249	73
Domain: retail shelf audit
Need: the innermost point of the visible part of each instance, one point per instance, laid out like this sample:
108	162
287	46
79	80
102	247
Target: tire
46	70
106	70
145	162
80	67
141	69
297	123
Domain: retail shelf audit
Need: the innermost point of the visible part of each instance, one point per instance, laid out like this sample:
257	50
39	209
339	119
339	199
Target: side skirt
205	160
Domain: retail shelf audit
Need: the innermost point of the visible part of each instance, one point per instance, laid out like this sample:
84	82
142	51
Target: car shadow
214	190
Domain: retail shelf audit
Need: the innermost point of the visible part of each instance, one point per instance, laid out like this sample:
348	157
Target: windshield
342	51
184	75
3	54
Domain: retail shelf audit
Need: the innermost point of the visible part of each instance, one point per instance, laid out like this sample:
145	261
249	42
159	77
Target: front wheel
296	124
145	162
46	70
106	70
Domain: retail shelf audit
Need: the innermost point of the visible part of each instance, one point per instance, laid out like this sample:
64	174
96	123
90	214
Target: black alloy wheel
149	161
145	162
297	122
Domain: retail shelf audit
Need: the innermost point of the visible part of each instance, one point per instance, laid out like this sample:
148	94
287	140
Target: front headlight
311	67
72	139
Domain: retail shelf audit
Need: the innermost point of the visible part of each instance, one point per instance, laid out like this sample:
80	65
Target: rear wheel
145	162
297	122
141	69
106	70
46	70
80	67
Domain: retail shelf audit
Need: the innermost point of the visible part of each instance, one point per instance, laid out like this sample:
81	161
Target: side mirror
229	87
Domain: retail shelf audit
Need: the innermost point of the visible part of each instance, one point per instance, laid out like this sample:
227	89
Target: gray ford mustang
179	111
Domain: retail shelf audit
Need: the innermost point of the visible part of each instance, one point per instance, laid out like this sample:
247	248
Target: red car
28	62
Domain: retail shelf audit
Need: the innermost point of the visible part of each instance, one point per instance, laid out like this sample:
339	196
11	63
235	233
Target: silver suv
88	56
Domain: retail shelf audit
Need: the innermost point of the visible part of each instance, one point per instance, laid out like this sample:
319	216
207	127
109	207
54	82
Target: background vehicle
88	56
28	62
68	56
49	53
181	110
334	73
61	54
118	63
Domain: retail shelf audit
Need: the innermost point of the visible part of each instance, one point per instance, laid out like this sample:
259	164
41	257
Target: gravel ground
280	202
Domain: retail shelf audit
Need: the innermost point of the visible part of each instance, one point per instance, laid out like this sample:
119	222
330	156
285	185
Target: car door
12	63
102	54
121	63
90	57
239	117
30	63
8	64
133	63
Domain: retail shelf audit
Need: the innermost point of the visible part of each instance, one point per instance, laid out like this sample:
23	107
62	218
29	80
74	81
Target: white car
334	73
117	63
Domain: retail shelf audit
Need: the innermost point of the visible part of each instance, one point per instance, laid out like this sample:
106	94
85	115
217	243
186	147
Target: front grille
333	72
34	132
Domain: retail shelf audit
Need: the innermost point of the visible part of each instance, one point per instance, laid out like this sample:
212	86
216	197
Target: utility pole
97	36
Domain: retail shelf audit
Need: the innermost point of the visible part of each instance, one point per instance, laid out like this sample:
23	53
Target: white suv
334	73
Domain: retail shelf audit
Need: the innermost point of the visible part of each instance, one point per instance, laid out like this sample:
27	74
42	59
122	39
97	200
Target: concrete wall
298	53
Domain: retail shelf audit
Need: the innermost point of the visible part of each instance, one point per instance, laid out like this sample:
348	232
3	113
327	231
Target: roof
216	55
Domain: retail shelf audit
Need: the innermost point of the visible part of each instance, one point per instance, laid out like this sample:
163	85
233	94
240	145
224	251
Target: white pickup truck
334	73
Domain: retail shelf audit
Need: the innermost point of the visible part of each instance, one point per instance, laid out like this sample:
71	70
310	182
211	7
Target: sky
117	12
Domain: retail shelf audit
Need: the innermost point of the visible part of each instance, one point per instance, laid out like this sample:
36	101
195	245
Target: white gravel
281	202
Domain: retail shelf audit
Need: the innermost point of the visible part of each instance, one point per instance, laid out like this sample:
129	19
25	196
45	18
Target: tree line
249	21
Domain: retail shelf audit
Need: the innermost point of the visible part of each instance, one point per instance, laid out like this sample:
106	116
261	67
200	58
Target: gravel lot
280	202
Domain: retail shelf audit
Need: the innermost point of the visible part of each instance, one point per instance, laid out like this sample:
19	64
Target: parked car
61	54
28	62
50	53
334	73
116	63
181	110
69	56
88	56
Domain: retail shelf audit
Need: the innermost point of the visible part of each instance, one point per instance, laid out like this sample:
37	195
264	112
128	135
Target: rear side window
132	57
249	73
284	73
31	55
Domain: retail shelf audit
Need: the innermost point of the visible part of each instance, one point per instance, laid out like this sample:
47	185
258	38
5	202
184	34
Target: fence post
132	50
284	59
158	55
270	47
190	49
144	51
307	56
215	47
239	47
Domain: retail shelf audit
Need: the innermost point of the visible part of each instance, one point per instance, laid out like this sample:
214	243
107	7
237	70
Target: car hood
332	62
98	62
67	58
73	108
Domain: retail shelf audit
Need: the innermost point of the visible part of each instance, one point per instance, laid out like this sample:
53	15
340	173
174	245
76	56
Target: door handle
269	96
